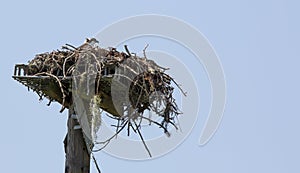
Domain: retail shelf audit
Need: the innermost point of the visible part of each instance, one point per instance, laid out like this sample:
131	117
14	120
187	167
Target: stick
60	85
144	51
126	48
141	136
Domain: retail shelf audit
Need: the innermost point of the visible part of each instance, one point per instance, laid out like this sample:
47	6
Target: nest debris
120	83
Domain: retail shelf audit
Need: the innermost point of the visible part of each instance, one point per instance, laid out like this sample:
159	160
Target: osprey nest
120	83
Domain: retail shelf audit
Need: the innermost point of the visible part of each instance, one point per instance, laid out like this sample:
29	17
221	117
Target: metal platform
45	86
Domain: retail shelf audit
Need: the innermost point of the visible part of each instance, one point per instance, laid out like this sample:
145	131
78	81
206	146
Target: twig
75	48
64	64
95	161
60	85
184	93
126	48
144	51
141	136
109	139
50	101
165	130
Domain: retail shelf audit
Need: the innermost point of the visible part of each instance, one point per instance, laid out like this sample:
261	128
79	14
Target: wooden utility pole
77	154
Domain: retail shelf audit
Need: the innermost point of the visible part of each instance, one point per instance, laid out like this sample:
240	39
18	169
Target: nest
120	83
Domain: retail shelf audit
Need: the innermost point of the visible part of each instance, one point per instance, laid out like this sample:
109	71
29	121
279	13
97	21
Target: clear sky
257	43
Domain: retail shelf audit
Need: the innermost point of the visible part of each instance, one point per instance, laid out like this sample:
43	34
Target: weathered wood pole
77	155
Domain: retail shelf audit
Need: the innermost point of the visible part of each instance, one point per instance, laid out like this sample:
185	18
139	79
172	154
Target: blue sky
257	43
